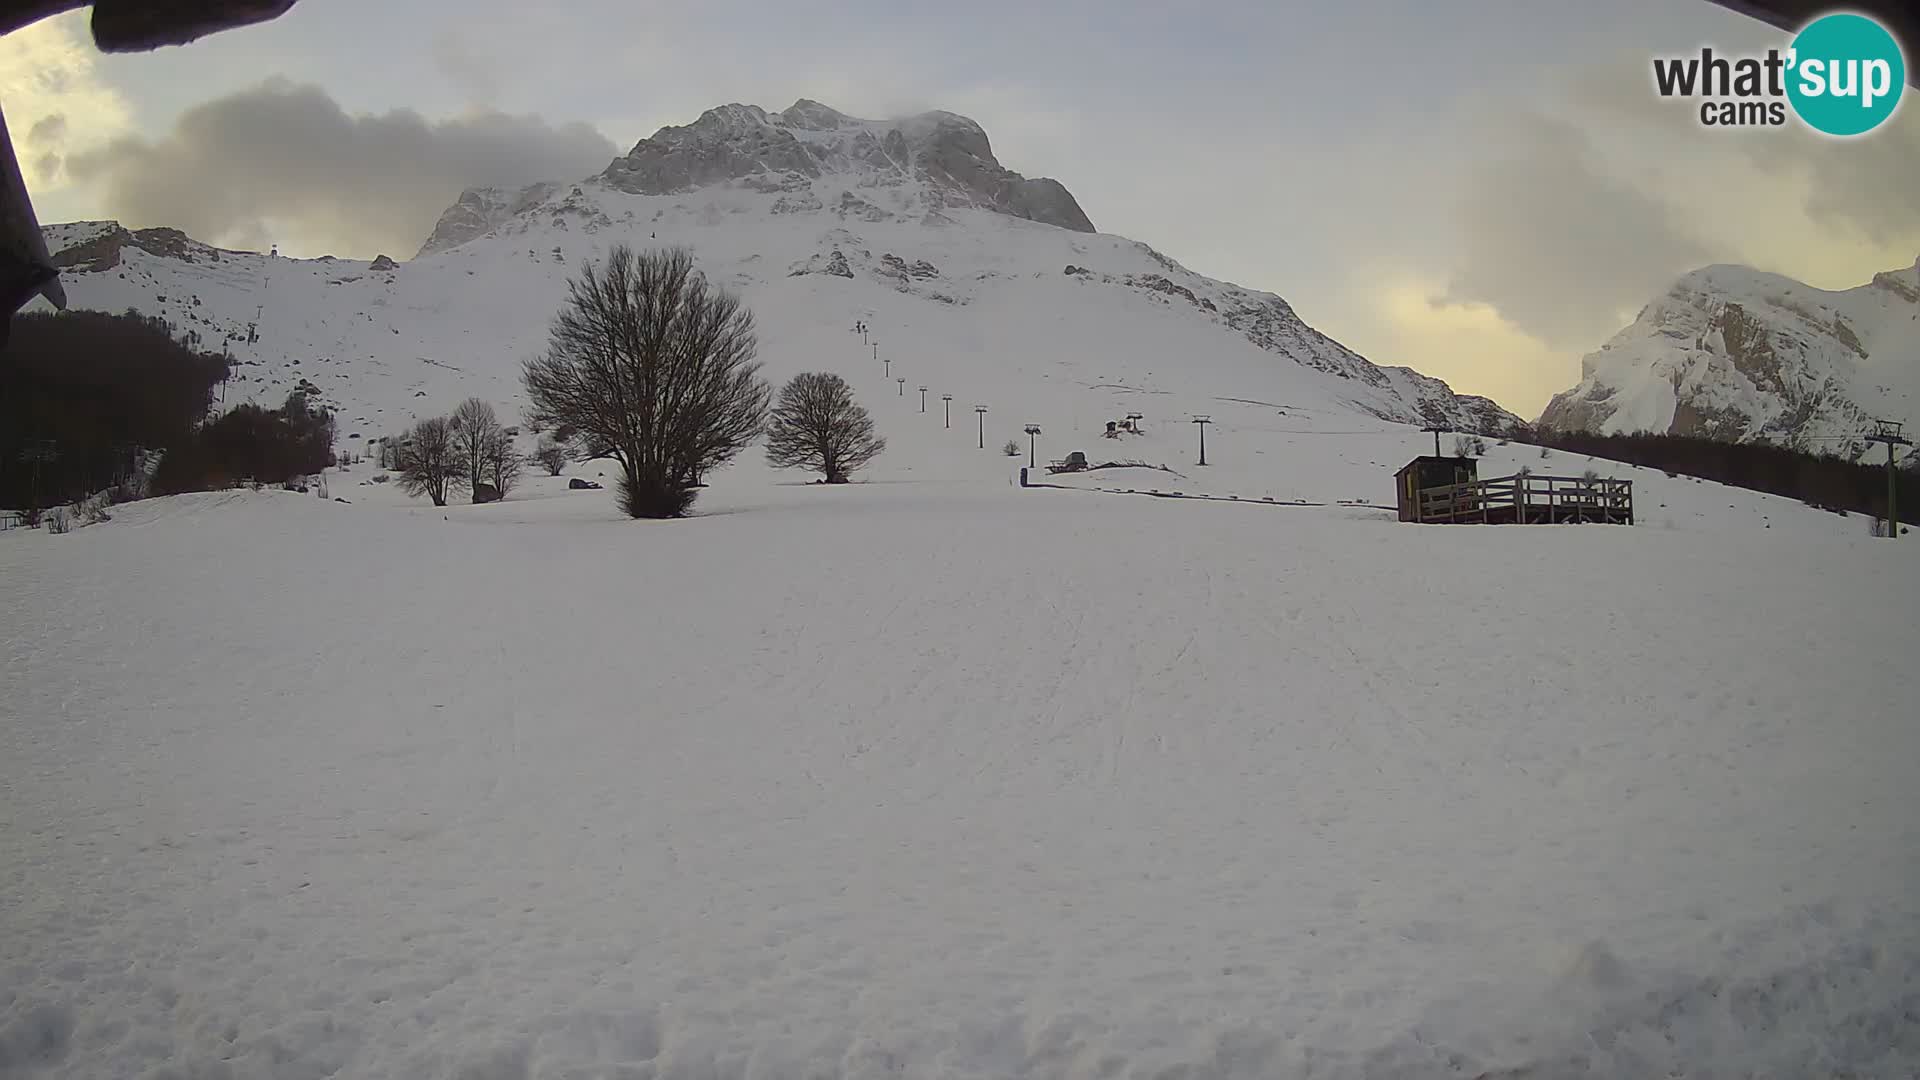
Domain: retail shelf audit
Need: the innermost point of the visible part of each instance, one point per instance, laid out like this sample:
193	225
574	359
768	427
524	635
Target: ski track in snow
950	780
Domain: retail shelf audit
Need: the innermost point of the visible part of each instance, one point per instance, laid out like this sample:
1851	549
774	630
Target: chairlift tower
981	410
1201	422
1033	435
1889	432
948	398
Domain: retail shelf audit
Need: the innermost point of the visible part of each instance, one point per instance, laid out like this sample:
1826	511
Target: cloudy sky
1484	189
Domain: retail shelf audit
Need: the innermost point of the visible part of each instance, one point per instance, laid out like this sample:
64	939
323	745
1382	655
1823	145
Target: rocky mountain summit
1733	353
946	155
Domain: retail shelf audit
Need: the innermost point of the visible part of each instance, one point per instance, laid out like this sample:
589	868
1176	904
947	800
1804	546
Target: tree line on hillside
90	399
467	450
1823	480
648	364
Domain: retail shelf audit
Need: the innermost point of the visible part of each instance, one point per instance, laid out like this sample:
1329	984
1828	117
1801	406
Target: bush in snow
816	425
1012	449
1465	445
654	367
59	520
552	455
92	510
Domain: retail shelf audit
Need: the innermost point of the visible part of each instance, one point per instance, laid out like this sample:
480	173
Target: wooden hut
1429	471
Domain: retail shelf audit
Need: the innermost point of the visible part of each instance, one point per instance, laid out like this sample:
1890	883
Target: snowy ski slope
934	776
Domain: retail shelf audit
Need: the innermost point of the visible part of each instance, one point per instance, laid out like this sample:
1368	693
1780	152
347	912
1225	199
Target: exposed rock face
101	251
381	262
784	151
479	211
833	263
1735	354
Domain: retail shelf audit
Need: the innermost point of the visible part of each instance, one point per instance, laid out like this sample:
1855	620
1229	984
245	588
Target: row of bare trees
651	365
648	364
469	450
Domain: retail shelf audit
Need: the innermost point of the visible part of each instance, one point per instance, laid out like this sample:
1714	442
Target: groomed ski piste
932	775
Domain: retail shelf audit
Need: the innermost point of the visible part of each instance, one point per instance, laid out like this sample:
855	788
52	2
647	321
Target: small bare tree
427	460
552	455
817	425
652	366
499	465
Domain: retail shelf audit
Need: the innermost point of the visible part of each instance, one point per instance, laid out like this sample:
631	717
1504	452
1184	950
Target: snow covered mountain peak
943	160
1734	353
975	279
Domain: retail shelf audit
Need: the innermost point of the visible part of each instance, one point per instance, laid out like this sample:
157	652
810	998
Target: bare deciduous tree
474	429
428	461
654	367
499	465
818	426
552	455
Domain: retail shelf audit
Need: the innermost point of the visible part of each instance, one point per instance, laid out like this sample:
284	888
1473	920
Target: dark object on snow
485	493
577	484
1074	462
381	262
338	499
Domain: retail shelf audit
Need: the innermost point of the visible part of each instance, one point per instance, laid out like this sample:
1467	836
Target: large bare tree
428	460
654	367
817	425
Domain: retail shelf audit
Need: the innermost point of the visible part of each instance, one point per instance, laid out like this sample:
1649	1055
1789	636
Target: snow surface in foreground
950	780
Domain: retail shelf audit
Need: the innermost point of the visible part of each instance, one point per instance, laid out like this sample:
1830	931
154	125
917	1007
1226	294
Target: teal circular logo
1845	74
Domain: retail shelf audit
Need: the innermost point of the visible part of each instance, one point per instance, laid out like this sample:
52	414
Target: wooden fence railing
1530	499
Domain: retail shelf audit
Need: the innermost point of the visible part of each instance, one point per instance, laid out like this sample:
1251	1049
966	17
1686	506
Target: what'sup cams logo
1842	74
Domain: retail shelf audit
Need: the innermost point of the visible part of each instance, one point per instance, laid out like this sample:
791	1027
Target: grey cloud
287	160
475	75
1864	184
1871	184
1558	246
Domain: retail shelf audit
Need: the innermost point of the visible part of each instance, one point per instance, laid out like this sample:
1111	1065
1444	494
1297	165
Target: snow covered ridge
969	275
930	162
1734	353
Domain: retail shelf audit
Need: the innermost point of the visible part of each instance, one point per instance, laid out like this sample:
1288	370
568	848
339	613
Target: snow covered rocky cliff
1737	354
